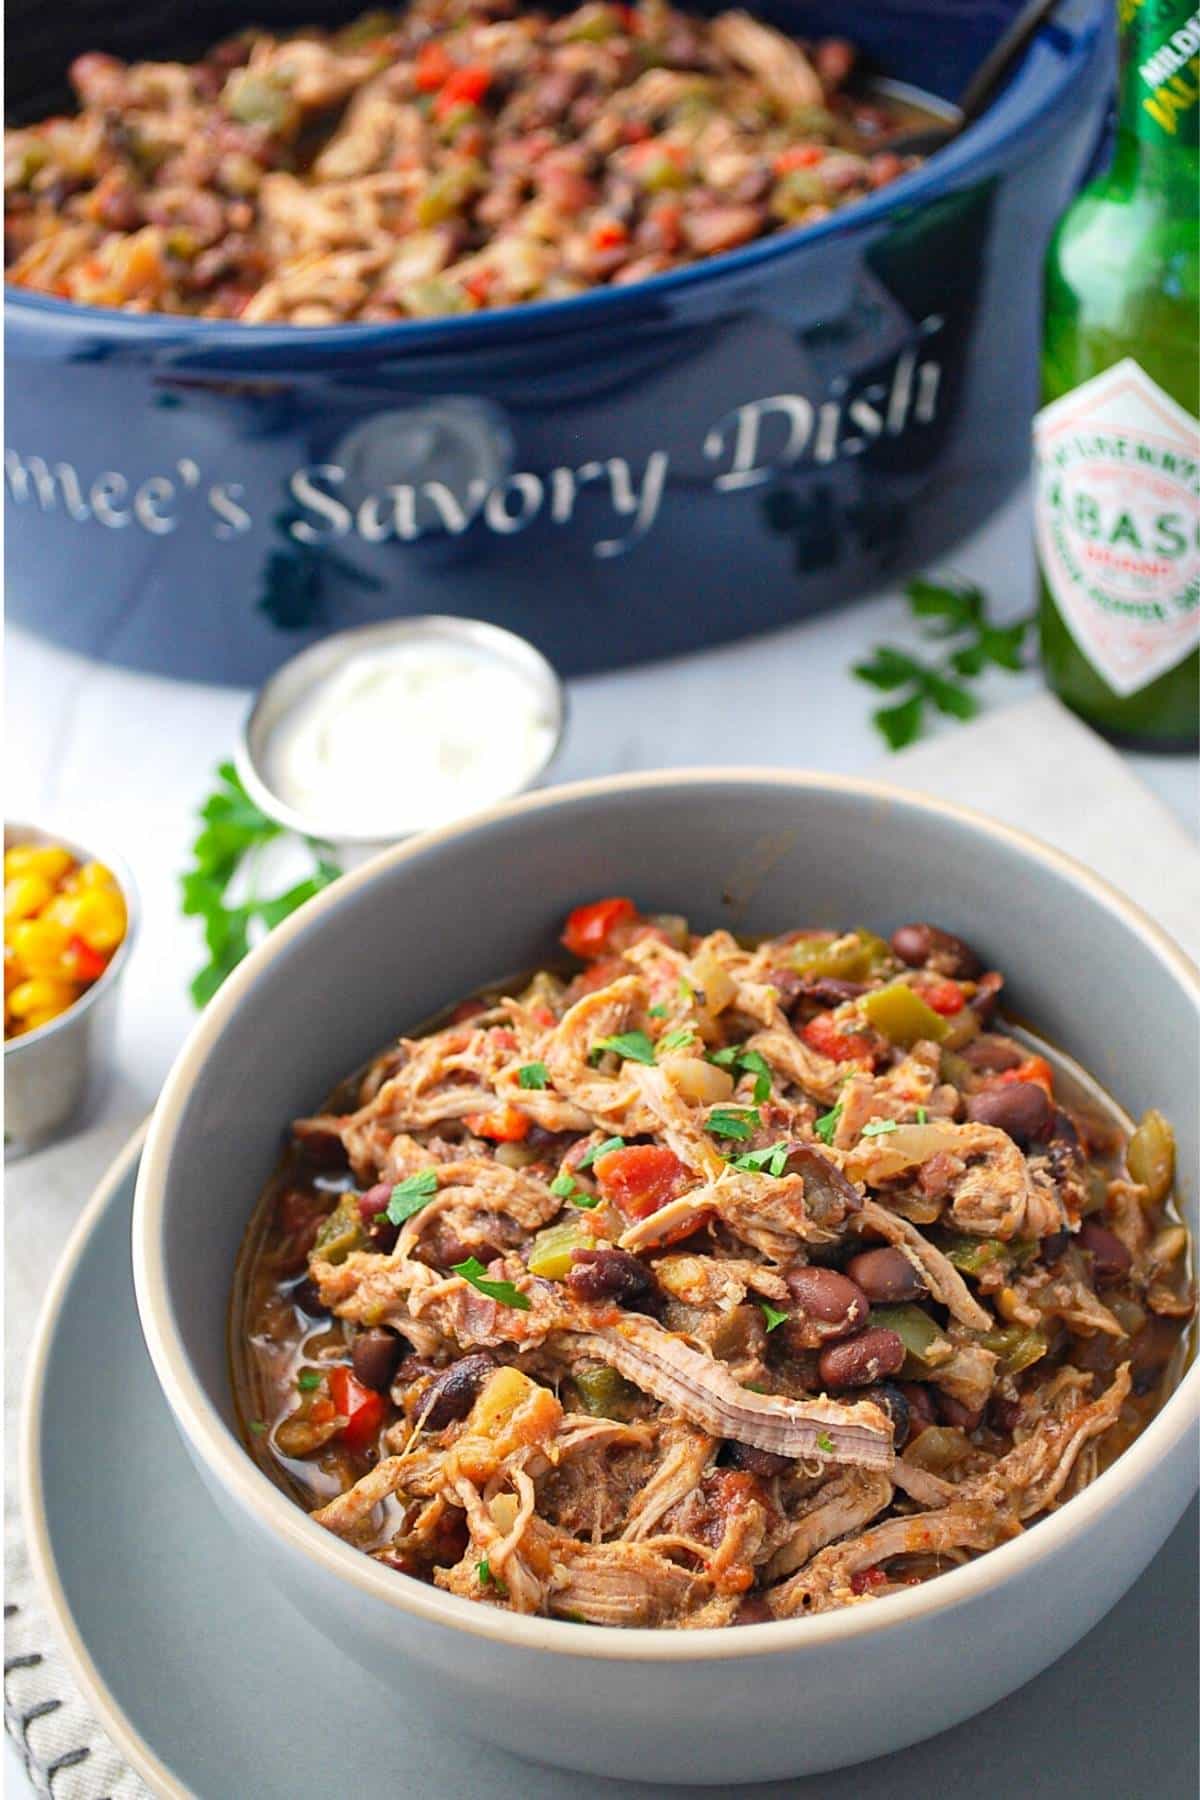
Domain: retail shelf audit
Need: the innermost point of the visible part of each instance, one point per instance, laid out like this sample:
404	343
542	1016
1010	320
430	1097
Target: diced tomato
635	131
362	1408
800	156
502	1037
866	1579
479	284
507	1125
432	68
822	1034
608	233
85	964
1034	1068
640	1179
945	997
465	87
587	931
541	1015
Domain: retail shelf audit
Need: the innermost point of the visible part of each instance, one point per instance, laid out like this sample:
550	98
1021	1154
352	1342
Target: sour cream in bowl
387	730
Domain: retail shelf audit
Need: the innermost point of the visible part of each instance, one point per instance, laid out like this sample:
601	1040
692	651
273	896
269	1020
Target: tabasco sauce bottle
1117	443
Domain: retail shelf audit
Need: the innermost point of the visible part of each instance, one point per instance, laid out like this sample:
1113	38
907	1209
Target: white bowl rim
227	1459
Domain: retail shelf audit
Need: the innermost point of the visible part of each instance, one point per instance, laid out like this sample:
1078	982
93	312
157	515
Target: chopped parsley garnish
483	1569
678	1039
771	1161
258	1426
879	1128
751	1062
733	1122
565	1187
634	1046
658	1012
772	1315
533	1075
410	1195
503	1292
825	1443
307	1380
599	1150
922	1116
827	1124
686	990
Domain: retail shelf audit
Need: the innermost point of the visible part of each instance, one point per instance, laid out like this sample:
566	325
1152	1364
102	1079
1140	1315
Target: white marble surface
118	758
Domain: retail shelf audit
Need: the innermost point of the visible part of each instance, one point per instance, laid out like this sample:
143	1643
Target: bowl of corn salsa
69	920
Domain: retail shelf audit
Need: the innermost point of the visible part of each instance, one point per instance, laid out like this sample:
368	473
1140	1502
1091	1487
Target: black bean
991	1054
305	1295
1021	1108
885	1275
756	1461
926	946
888	1397
861	1361
607	1274
451	1394
374	1357
828	1306
829	990
1110	1258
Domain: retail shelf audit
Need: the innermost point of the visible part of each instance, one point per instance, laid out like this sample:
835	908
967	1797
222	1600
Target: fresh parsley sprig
503	1292
229	852
954	617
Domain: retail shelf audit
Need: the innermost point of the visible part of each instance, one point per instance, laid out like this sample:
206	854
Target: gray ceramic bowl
437	917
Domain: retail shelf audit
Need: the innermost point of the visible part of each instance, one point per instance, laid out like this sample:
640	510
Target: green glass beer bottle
1117	442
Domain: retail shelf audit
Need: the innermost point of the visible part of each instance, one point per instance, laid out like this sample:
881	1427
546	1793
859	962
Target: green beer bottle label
1161	56
1117	516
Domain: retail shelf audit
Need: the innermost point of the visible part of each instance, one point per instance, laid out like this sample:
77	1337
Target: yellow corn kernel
63	909
42	995
48	860
42	1016
100	918
39	945
26	895
1007	1303
96	875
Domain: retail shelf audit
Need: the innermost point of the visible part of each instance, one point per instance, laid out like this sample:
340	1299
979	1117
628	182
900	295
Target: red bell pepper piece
465	87
587	931
1034	1068
945	997
85	963
432	68
362	1408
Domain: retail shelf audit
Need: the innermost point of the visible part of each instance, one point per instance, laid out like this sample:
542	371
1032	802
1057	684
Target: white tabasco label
1117	513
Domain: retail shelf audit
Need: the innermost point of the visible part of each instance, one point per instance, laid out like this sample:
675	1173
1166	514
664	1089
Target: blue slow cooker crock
624	475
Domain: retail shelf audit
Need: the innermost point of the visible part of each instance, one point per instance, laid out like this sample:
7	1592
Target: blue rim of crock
1012	116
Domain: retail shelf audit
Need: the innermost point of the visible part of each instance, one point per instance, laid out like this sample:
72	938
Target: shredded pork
673	1290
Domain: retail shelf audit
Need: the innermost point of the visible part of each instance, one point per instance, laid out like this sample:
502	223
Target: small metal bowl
51	1074
320	663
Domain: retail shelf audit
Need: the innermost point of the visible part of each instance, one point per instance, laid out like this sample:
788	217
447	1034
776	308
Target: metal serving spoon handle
980	91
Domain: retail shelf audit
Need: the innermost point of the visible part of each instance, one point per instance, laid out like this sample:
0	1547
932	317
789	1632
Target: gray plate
214	1687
